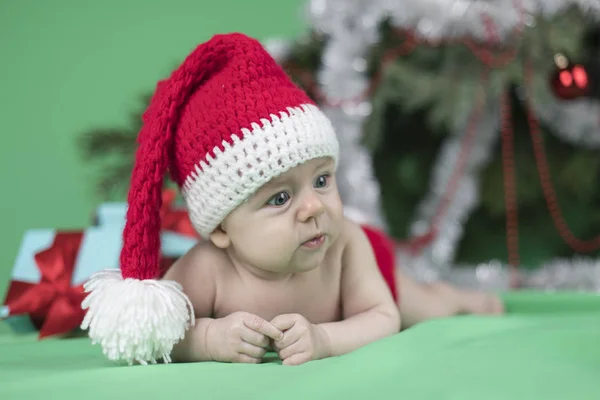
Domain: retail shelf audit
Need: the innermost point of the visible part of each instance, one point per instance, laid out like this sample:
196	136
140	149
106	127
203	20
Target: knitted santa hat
223	124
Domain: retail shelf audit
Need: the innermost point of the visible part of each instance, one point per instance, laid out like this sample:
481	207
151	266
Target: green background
70	65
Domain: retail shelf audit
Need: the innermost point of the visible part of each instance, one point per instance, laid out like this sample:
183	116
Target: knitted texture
213	190
223	124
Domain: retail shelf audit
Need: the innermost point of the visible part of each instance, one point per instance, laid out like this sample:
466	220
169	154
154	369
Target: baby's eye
279	199
321	181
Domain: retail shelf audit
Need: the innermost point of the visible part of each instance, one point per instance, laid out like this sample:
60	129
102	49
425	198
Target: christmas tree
470	131
482	120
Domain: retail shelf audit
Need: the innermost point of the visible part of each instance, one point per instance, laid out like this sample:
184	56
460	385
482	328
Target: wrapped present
44	284
51	265
178	235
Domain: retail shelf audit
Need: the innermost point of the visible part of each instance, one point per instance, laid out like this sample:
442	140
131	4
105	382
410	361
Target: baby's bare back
208	270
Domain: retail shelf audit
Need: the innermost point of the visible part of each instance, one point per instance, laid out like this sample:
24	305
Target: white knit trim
218	186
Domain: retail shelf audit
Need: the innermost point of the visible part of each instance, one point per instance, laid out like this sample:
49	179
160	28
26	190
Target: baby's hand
302	341
240	337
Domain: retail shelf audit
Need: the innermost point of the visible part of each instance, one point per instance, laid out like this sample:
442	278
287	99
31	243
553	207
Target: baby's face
289	224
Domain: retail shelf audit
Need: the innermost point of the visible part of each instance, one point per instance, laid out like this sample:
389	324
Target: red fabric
53	305
384	249
175	220
240	84
227	83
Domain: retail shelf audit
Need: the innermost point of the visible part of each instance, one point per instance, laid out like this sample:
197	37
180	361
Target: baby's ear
220	238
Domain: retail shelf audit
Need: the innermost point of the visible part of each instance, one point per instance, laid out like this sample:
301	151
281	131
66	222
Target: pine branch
103	142
114	180
422	96
115	149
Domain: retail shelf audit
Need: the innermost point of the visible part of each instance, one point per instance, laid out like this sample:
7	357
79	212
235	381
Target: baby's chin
302	260
308	265
298	268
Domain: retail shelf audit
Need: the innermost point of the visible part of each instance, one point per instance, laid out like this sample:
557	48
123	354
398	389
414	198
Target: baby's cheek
334	205
272	237
269	249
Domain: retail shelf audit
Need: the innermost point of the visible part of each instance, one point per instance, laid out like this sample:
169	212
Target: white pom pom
135	320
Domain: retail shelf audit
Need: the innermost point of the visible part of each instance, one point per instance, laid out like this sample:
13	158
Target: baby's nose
312	207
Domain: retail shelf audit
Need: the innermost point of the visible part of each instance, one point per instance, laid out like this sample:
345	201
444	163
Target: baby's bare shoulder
354	241
351	232
199	271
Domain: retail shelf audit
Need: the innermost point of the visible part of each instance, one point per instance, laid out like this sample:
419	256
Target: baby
286	269
281	268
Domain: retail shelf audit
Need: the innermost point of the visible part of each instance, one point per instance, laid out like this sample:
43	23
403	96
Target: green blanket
546	347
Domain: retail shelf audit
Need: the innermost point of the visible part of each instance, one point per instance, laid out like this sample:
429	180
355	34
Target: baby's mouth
315	242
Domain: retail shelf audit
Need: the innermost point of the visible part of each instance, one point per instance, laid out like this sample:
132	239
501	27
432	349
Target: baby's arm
237	337
369	310
198	283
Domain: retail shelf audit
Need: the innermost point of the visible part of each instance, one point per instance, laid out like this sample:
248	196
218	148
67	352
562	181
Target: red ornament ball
570	80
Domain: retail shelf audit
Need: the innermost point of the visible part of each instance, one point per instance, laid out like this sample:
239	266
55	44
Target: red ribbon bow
53	305
175	220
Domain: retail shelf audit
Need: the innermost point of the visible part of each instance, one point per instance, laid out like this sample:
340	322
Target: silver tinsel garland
437	258
577	122
351	26
437	19
341	77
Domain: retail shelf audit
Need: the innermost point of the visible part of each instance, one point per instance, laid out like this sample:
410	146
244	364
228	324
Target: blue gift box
100	247
112	215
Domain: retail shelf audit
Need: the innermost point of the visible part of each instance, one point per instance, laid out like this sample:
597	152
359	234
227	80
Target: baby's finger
289	337
290	350
296	359
251	350
246	359
284	322
258	324
255	338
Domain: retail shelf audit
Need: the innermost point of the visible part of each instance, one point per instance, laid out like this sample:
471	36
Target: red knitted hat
223	124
